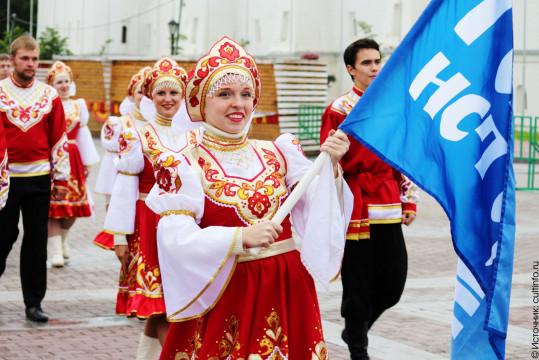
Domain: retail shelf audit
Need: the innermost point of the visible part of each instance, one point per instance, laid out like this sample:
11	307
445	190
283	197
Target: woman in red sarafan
140	292
82	154
235	286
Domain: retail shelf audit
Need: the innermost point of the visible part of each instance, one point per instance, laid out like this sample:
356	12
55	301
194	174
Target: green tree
51	43
366	29
104	47
22	19
4	41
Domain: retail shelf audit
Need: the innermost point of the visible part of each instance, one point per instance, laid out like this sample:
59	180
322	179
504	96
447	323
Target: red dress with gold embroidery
76	203
223	304
140	291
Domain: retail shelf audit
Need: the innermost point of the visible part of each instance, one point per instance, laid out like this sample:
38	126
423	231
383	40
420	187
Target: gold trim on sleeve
126	173
178	212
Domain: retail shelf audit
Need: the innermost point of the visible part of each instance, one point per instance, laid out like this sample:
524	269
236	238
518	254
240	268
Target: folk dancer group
190	202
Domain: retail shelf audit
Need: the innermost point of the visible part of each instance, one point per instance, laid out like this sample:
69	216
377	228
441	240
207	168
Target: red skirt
105	240
76	202
140	291
269	310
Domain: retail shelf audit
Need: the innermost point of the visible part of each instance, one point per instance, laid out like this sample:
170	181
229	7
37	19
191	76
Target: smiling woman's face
167	102
229	109
62	84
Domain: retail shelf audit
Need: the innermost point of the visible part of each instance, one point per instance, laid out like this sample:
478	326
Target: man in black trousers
35	133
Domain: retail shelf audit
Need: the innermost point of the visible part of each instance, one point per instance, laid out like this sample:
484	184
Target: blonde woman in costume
110	132
129	219
82	154
224	299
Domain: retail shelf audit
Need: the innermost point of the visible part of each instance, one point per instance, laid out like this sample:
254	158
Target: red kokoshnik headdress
225	57
165	70
58	68
137	81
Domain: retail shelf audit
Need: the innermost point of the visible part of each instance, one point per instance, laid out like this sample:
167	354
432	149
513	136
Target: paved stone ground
81	297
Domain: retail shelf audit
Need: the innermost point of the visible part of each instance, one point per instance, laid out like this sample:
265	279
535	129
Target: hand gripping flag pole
298	191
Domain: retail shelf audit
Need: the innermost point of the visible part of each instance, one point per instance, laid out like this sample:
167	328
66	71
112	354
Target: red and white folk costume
110	132
222	301
35	133
375	264
4	172
34	129
81	150
140	290
385	193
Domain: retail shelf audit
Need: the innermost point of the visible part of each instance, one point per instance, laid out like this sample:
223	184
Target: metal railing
527	147
309	121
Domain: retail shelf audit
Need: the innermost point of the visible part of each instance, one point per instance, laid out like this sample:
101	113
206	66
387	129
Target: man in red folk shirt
35	132
375	261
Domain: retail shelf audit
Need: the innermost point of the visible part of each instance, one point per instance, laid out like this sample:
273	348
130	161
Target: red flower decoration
229	52
258	204
123	143
108	131
163	178
165	66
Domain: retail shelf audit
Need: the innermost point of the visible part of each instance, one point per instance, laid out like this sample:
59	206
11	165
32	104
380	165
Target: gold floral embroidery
73	116
320	352
166	173
230	342
273	342
256	199
148	280
195	344
126	141
165	166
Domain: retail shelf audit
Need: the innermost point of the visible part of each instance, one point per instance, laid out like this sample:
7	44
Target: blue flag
440	111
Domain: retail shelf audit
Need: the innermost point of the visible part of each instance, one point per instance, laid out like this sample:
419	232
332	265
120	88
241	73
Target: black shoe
344	336
35	313
355	336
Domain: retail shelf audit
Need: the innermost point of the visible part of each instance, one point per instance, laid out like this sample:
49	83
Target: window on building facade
195	31
124	34
285	25
258	32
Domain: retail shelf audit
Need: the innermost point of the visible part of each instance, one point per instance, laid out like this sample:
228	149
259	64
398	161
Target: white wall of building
277	28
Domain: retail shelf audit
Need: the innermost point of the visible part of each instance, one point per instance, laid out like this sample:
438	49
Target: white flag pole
298	191
300	188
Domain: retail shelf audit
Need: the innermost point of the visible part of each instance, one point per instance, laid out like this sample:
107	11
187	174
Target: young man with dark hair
375	261
35	133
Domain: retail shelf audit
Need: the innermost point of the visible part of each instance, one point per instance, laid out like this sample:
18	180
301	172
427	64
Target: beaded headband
165	71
